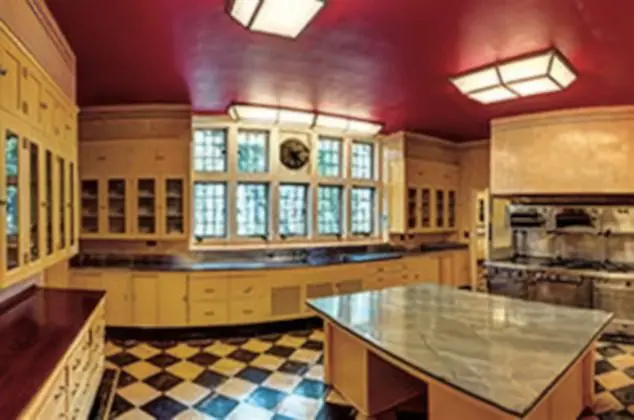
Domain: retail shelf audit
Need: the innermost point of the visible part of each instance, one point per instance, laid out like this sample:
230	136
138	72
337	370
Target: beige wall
474	161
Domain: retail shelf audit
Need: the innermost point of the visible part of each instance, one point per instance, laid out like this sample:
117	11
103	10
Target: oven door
616	296
509	283
564	292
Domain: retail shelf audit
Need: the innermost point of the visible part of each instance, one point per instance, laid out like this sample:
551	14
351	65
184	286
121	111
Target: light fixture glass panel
477	80
364	127
333	123
285	17
296	117
495	94
525	68
562	73
534	86
242	10
254	113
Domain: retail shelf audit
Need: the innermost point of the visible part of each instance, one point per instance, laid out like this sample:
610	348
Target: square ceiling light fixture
544	72
306	119
286	18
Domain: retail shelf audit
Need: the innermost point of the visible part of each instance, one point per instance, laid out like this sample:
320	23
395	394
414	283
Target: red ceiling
385	60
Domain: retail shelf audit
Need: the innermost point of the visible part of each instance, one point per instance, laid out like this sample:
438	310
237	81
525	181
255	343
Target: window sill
318	243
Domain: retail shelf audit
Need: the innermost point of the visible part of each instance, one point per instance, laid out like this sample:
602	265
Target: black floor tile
281	417
210	380
242	355
217	406
335	412
236	341
163	408
625	395
123	359
271	338
163	345
163	360
630	372
621	415
163	381
125	379
610	350
301	333
603	366
104	392
311	389
119	406
204	359
201	342
281	351
125	343
598	387
266	398
296	368
313	345
254	374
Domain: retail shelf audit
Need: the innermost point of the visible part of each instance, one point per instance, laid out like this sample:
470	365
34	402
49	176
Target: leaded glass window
329	157
252	204
210	151
362	162
293	210
329	200
210	209
362	210
253	151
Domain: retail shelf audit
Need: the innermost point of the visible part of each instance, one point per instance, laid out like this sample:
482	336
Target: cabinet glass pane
210	151
89	206
451	209
71	174
411	208
146	206
174	212
12	170
34	201
116	206
62	202
48	168
425	208
440	208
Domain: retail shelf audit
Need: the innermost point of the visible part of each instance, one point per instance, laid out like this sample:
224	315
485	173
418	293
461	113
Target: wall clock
294	154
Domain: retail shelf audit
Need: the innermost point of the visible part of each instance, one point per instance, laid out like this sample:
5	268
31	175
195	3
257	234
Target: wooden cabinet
145	298
172	299
118	297
34	200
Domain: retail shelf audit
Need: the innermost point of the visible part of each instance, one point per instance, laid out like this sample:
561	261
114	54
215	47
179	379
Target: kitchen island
470	355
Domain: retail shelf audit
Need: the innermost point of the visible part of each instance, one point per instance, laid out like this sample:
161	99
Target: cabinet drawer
248	310
208	313
204	289
55	403
247	287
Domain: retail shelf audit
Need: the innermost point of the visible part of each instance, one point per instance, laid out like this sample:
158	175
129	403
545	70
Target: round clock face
294	154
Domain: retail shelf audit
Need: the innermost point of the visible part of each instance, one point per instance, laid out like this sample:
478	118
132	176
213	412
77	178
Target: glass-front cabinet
35	230
10	200
173	217
48	202
89	197
61	202
117	214
146	207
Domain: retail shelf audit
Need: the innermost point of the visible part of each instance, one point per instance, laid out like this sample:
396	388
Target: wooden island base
375	383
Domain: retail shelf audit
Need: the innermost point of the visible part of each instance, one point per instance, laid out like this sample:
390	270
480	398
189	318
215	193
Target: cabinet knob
43	105
3	72
210	313
25	107
25	72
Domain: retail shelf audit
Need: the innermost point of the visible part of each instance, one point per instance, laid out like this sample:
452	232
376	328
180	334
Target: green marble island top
503	351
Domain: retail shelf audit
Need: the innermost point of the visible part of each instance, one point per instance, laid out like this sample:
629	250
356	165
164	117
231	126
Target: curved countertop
167	263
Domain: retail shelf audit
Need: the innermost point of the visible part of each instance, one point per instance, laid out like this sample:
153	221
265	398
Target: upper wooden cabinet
422	193
37	159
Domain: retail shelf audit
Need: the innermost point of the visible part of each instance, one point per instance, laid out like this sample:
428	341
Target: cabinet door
46	112
145	211
451	209
72	204
145	299
117	199
86	280
11	212
440	209
172	300
90	203
446	270
62	214
412	208
49	203
425	208
36	204
173	207
349	286
461	267
10	66
118	298
31	91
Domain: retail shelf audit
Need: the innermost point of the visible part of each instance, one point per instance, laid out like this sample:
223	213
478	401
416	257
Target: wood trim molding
152	121
44	16
574	115
473	144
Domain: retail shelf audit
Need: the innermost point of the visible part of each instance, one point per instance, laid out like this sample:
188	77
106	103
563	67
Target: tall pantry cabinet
38	166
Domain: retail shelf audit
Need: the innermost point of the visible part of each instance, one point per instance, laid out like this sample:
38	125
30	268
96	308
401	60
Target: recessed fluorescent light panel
271	115
527	76
286	18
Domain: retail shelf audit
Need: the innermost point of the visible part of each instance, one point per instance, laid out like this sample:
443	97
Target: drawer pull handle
248	290
210	313
210	290
43	105
59	394
3	72
76	364
25	108
247	311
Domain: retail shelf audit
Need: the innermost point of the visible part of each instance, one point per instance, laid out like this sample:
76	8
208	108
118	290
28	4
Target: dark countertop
36	328
165	263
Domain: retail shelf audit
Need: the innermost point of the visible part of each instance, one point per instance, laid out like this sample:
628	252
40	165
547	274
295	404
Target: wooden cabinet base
375	383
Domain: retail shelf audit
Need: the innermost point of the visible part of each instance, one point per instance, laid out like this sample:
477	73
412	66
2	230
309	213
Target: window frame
277	174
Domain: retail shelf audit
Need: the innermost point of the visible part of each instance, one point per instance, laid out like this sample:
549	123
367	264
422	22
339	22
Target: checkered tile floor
278	377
